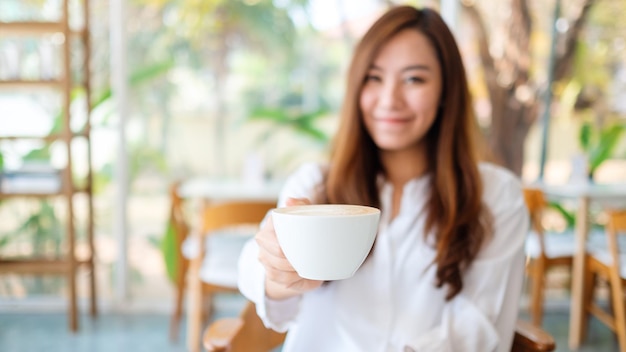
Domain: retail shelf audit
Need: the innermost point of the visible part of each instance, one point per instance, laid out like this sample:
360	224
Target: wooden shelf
36	195
44	183
37	266
31	28
60	192
34	266
48	138
31	84
30	195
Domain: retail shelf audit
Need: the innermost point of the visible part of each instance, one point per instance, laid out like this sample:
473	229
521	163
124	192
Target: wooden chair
217	273
544	251
248	334
609	263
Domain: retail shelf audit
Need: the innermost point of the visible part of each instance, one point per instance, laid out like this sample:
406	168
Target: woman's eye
372	78
414	80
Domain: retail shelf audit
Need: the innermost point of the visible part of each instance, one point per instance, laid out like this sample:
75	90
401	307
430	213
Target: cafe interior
143	141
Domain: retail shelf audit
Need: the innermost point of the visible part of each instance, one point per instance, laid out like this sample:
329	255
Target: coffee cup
326	241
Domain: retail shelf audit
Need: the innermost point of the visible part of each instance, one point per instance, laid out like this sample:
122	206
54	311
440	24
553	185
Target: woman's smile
392	122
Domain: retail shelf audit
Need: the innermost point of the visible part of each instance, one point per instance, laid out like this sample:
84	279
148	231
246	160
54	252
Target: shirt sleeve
482	317
277	315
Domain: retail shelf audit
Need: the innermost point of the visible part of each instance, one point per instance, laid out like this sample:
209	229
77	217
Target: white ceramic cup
326	241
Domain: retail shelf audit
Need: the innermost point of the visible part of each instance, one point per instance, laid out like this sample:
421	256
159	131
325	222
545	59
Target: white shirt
391	303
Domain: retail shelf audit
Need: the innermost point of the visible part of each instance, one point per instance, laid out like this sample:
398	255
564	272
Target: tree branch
483	45
519	40
565	58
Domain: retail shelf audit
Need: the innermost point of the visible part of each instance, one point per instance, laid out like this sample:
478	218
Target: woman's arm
265	275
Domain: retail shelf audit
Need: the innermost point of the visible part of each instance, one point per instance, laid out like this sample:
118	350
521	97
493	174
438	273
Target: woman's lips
392	121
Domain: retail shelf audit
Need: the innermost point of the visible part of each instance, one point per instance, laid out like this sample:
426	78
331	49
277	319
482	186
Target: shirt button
408	349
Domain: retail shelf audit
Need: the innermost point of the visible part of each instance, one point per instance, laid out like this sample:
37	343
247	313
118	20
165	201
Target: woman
445	273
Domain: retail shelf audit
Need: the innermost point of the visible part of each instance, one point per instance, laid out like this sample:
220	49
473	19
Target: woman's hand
281	279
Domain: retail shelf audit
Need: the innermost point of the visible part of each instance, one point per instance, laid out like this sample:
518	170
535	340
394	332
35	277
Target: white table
229	189
606	195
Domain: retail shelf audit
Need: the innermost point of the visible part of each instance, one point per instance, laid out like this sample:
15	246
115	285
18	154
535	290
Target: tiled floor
109	332
30	332
48	332
599	338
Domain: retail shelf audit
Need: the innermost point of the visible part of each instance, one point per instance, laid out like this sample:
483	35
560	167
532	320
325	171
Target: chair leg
537	288
178	310
93	292
590	284
72	303
207	310
93	308
194	311
619	313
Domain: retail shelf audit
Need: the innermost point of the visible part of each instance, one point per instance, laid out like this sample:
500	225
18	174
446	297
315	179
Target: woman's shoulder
303	181
309	172
501	186
504	197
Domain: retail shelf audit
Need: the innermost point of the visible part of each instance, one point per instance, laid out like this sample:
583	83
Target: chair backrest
248	334
615	226
220	221
177	214
232	213
215	216
536	204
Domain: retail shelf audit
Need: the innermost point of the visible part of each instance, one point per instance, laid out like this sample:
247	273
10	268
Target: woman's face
401	93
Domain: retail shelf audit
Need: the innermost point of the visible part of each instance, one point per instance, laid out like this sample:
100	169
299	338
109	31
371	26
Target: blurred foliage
568	216
300	122
143	75
585	97
198	30
42	229
599	144
169	251
145	158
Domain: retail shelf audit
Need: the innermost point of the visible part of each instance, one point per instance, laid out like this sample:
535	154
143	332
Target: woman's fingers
283	277
290	280
278	270
297	201
270	253
274	262
304	285
266	238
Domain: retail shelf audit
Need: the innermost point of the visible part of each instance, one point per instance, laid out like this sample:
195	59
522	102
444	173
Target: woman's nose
390	96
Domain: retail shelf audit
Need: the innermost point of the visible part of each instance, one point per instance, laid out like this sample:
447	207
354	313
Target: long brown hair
457	218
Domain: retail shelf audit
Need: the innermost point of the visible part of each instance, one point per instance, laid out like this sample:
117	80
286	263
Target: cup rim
297	210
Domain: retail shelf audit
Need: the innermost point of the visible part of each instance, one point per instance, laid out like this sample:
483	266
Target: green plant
300	122
568	216
42	229
599	144
169	249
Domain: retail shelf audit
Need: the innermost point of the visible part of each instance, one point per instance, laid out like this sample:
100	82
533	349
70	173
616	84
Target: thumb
297	201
